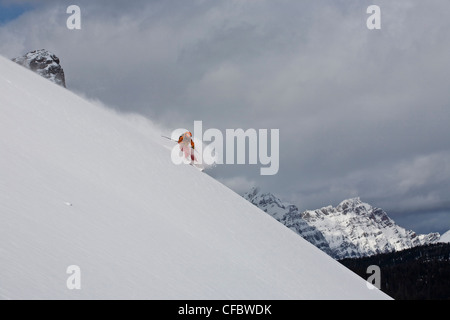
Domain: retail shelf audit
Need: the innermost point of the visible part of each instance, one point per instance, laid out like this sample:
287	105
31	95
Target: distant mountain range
353	229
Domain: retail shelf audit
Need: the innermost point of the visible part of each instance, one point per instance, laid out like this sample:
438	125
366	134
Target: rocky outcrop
44	63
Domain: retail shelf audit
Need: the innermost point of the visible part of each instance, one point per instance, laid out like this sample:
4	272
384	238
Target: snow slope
82	185
289	215
445	237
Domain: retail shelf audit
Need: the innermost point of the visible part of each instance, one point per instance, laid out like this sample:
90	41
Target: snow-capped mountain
356	229
44	63
92	207
352	229
289	215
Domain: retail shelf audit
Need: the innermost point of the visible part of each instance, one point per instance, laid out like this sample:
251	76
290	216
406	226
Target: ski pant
188	152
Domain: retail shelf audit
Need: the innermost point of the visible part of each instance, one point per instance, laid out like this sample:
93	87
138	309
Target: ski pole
169	138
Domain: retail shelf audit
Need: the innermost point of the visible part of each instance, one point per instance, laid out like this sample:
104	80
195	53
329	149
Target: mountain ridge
351	229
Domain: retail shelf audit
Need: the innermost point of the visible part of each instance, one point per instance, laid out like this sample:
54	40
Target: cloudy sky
361	112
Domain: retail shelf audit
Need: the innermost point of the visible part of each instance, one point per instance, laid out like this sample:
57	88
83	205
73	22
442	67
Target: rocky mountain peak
351	229
44	63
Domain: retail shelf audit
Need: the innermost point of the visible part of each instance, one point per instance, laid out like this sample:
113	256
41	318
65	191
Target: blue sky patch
11	12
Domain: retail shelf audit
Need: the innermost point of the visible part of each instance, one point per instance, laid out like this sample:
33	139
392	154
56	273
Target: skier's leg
191	155
186	152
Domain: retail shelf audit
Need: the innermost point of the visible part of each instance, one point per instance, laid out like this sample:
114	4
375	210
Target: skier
187	145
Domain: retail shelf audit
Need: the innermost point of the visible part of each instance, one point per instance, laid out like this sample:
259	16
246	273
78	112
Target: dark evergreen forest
420	273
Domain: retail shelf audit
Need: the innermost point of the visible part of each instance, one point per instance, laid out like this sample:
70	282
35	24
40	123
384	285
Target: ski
197	167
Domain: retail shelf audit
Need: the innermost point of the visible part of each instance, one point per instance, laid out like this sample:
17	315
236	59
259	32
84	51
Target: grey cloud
361	113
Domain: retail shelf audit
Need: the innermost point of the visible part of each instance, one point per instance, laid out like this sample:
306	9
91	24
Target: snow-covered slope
289	215
81	185
356	229
445	237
